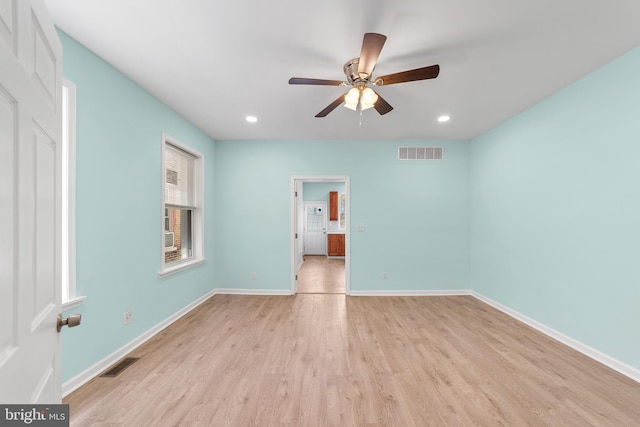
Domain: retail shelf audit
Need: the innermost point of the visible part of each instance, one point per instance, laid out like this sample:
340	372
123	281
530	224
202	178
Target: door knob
71	321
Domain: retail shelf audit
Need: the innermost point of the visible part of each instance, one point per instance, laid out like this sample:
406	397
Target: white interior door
30	200
315	228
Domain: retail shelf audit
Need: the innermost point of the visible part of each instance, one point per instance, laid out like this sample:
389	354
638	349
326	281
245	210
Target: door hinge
296	235
296	195
296	277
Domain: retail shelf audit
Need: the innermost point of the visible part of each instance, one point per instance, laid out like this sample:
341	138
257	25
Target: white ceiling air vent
420	153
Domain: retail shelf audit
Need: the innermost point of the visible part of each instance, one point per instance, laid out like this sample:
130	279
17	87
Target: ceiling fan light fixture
368	99
351	98
359	74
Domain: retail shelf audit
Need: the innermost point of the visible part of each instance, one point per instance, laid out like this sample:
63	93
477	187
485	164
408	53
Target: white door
30	180
315	228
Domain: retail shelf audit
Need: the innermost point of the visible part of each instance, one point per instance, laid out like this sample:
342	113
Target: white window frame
70	299
197	214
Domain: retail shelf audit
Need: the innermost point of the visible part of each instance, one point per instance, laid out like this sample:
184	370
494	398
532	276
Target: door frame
298	180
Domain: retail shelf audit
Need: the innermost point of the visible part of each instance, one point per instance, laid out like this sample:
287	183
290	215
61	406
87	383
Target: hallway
321	275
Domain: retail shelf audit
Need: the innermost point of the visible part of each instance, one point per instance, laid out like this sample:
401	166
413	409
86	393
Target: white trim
411	293
70	298
347	232
73	303
91	372
266	292
180	266
591	352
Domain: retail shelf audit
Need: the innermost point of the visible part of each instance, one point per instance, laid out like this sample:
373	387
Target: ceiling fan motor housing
351	71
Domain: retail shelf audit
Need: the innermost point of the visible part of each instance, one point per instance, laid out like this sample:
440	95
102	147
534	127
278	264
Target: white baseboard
411	293
606	360
94	370
233	291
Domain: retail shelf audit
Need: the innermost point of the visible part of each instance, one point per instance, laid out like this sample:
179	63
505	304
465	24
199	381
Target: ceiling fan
359	75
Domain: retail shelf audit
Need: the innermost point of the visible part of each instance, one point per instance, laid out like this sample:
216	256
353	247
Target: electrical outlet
253	276
384	276
360	227
127	317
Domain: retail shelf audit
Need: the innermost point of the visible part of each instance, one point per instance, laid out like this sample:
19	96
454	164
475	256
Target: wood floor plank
331	360
321	275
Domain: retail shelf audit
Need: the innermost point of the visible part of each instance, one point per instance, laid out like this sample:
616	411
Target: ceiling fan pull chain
360	124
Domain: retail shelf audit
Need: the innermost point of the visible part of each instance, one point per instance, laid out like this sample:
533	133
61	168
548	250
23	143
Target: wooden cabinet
334	206
335	245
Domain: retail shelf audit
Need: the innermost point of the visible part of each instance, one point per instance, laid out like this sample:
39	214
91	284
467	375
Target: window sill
167	271
72	303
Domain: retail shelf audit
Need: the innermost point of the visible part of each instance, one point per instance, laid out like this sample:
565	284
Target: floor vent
420	153
117	369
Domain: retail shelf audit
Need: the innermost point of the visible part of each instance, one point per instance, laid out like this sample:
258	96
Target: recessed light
251	119
443	119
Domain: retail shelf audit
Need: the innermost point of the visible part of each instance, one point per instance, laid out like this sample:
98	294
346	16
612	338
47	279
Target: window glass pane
178	238
179	181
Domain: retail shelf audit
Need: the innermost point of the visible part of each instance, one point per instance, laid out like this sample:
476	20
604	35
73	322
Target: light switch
360	227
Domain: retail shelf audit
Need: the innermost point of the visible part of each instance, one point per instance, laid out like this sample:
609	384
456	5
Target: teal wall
416	213
319	191
118	211
555	211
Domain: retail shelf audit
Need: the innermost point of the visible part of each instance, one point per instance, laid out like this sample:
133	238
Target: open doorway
326	272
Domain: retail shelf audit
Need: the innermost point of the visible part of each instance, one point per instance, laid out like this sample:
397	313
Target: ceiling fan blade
382	106
320	82
331	107
430	72
371	48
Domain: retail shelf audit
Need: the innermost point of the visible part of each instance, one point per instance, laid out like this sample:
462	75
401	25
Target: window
68	147
183	208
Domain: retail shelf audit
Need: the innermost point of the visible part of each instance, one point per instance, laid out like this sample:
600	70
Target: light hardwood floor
331	360
321	275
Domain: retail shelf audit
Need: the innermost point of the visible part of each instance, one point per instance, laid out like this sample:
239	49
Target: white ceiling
217	61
